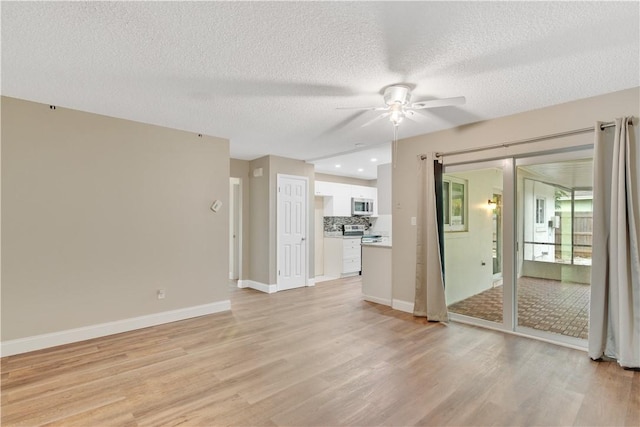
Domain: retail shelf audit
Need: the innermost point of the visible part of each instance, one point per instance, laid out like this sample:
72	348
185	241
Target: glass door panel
473	240
554	226
497	236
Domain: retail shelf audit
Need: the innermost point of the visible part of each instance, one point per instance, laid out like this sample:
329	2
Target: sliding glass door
518	244
555	223
473	241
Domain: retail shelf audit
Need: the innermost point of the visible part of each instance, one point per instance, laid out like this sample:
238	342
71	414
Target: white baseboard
400	305
38	342
355	273
319	279
259	286
383	301
311	282
242	283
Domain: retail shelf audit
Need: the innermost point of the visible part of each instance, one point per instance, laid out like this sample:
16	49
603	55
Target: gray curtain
614	328
429	296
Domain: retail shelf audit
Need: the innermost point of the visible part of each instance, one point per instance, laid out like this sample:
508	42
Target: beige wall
555	119
345	180
98	213
260	194
383	183
263	215
240	169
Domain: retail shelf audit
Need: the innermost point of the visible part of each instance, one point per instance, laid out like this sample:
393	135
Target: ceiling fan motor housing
397	95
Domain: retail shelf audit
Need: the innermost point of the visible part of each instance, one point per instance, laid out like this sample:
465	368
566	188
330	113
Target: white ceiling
269	75
569	174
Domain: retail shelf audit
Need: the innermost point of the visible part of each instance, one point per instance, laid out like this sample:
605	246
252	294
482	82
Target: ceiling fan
396	98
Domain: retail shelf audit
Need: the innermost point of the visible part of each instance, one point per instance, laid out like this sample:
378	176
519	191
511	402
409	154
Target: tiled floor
546	305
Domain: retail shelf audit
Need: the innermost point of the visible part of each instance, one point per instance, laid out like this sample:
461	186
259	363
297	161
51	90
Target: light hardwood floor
314	356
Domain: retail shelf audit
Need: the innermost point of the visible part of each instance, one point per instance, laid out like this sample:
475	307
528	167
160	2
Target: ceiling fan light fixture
397	113
396	99
396	117
397	94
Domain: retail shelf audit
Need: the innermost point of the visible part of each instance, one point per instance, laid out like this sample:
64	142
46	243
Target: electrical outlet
161	294
413	220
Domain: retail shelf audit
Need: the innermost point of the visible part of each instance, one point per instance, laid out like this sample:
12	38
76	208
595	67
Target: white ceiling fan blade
438	103
375	119
415	116
362	108
356	108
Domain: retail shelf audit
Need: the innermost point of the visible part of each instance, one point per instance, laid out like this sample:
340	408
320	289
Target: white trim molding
311	282
259	286
377	300
38	342
405	306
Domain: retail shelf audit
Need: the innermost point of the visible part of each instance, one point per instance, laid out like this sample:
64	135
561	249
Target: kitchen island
376	272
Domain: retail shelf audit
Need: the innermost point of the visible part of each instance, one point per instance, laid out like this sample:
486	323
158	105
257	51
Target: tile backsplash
335	223
382	225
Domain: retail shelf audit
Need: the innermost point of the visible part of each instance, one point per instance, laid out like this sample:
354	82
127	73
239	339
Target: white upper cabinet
338	203
337	197
362	192
322	188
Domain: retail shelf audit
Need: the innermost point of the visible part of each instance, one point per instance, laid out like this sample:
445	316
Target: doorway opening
555	226
235	228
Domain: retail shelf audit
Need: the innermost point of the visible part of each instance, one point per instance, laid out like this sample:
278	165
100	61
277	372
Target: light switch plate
216	205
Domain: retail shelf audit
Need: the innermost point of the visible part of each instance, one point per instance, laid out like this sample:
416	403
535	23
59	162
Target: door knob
303	239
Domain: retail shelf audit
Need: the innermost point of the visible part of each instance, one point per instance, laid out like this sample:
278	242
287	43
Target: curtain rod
603	126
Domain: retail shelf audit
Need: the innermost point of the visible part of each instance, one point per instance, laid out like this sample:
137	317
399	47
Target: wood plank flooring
317	356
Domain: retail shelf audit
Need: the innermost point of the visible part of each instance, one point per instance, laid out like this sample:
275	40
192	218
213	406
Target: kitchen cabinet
337	197
342	256
322	188
362	192
339	201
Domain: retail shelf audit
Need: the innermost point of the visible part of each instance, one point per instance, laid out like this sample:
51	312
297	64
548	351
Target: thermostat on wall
216	205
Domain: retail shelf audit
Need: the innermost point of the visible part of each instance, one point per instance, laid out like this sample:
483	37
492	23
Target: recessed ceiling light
337	166
374	159
360	170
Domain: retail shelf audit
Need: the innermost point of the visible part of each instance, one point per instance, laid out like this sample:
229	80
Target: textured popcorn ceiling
269	76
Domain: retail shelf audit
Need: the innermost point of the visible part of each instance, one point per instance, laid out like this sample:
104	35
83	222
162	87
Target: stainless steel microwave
361	207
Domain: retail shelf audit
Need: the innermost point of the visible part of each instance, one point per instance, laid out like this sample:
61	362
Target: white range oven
352	248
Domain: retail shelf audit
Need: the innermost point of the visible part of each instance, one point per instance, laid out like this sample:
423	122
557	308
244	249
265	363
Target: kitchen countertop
385	243
333	234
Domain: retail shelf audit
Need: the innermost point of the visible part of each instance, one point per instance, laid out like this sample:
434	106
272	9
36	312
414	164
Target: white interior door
292	231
